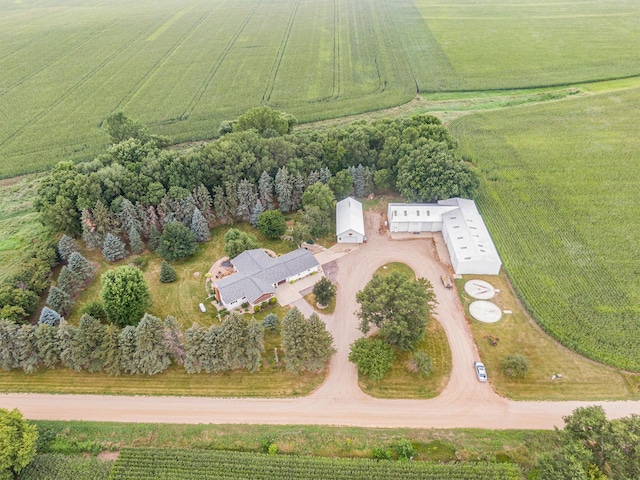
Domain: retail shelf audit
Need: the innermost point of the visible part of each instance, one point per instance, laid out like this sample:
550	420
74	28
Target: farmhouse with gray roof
258	276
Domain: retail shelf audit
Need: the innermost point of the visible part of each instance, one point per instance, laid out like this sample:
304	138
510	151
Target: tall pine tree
88	344
66	246
284	190
48	345
255	214
199	226
80	265
151	355
246	199
265	190
59	301
113	248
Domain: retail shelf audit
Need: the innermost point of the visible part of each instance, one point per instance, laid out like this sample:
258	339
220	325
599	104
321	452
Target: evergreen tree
48	345
313	177
369	184
66	246
246	199
167	273
69	281
154	238
265	190
127	345
90	236
49	317
204	202
110	352
113	248
176	241
104	220
151	354
135	242
59	301
88	344
220	203
256	212
320	344
145	224
174	340
231	192
325	175
199	226
129	217
80	265
357	174
233	338
9	357
152	218
271	322
125	295
194	348
307	343
67	343
254	347
213	361
299	186
95	308
284	190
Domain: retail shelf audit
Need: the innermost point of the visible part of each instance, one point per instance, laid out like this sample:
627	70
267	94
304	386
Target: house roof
258	273
349	216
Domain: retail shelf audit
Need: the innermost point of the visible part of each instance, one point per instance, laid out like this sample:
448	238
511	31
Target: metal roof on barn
349	216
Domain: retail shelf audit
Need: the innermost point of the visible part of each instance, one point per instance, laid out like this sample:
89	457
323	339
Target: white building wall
300	275
350	236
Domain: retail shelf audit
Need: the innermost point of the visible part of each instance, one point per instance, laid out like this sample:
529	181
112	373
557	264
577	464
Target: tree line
152	345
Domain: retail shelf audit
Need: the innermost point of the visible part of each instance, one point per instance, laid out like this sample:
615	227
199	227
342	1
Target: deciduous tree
125	295
398	306
236	242
176	241
372	356
18	440
324	291
272	224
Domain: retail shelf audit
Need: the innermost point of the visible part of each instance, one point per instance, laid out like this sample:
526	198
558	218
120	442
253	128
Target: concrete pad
288	293
484	311
479	289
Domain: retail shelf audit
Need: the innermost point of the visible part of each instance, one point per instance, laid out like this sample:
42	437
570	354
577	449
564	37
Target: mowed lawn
560	196
182	68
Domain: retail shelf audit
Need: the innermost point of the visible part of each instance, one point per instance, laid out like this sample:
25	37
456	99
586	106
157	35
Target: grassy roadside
582	379
446	445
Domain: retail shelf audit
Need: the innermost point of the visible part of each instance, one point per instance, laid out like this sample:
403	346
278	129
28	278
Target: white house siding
350	236
303	274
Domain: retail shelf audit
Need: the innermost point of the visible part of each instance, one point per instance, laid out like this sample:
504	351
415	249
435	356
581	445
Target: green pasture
560	196
182	67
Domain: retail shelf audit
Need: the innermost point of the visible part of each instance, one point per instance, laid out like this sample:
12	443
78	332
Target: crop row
58	467
168	464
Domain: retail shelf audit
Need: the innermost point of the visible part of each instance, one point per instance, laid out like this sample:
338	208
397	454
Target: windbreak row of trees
153	345
137	183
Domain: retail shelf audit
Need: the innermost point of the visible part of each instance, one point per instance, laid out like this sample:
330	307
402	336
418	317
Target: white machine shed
349	221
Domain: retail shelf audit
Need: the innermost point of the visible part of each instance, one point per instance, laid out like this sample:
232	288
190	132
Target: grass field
560	197
183	67
582	378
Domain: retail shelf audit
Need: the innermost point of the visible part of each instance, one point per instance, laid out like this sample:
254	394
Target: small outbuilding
349	221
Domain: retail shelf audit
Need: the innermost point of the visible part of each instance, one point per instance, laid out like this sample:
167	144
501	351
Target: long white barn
470	246
349	221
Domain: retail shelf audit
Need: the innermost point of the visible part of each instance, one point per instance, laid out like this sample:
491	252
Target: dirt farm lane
465	402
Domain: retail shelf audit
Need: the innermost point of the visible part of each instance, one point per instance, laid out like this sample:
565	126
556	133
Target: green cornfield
560	196
52	466
183	67
169	464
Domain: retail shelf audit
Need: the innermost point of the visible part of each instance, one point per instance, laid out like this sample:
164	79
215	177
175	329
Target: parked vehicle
446	281
481	372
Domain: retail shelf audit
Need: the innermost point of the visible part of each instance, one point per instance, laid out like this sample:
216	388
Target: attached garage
349	221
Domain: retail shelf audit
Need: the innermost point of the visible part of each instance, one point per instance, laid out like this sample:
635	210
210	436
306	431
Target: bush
515	365
264	305
94	309
404	450
271	322
381	454
167	273
176	241
373	357
273	300
140	262
245	304
256	309
421	364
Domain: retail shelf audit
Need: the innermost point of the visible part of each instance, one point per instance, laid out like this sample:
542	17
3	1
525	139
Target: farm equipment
493	340
446	281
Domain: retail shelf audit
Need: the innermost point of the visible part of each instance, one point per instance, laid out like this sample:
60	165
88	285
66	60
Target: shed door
415	226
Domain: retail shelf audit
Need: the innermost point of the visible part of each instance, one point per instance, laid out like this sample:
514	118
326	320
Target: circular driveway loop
465	402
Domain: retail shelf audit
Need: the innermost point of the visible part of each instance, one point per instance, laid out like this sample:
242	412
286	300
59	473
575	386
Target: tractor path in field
465	402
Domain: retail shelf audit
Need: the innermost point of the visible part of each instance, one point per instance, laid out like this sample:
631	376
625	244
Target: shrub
373	357
256	309
49	317
264	305
381	454
515	365
404	450
176	241
245	304
94	309
140	262
421	364
271	322
167	273
273	300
